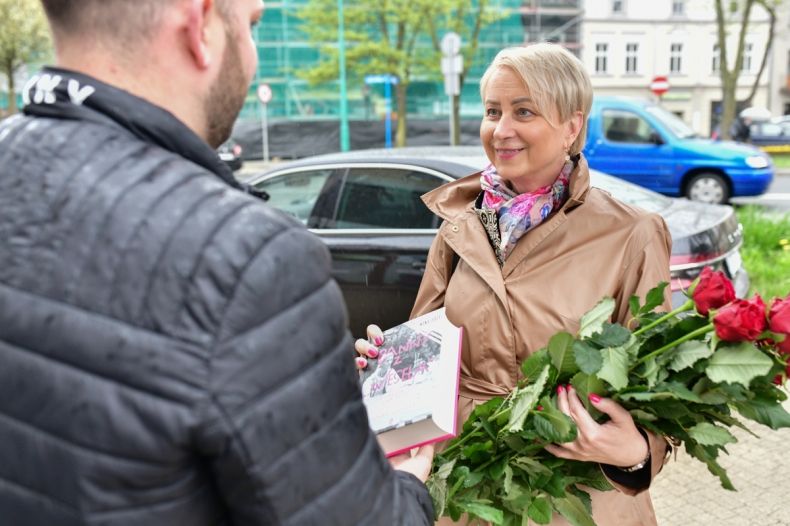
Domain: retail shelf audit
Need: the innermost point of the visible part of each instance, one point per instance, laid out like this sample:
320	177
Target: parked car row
366	207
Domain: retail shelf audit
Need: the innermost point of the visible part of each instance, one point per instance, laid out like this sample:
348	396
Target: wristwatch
637	467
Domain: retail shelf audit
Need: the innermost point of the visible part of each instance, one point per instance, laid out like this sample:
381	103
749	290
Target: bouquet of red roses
685	375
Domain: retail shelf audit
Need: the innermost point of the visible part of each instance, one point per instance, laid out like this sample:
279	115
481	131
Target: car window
770	129
385	198
296	192
625	126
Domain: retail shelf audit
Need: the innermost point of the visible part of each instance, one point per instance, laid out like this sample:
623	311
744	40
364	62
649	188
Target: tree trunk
728	87
11	92
400	91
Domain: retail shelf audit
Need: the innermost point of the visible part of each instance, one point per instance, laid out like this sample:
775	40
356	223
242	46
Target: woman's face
526	150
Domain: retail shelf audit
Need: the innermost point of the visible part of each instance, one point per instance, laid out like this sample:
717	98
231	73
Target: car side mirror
656	139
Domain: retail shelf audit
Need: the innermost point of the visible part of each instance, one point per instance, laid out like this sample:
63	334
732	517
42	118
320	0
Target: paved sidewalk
686	494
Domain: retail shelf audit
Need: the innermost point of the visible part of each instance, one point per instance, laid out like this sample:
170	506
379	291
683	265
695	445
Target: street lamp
341	49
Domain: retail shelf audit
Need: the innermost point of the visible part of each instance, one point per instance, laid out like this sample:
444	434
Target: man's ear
199	14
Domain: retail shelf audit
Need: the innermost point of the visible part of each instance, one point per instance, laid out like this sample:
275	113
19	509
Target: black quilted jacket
172	350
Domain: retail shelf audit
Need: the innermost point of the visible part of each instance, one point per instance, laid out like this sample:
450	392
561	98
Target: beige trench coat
595	246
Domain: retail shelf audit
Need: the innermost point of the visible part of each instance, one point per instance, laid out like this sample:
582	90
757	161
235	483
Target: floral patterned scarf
520	213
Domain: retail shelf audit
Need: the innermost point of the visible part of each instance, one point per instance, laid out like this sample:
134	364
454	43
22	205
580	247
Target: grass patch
766	250
781	160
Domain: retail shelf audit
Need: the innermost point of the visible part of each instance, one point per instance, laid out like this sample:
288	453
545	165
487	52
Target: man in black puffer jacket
172	350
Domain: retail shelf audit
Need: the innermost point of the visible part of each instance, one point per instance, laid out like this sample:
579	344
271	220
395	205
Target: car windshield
671	122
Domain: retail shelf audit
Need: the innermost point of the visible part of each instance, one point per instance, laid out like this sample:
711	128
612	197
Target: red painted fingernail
373	353
379	340
560	389
594	398
361	362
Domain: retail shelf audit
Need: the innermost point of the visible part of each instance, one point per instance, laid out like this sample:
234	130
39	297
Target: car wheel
708	188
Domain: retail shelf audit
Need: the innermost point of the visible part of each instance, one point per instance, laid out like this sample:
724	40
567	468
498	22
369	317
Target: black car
230	151
366	206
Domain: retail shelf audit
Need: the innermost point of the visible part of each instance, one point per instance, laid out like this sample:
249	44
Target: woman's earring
567	155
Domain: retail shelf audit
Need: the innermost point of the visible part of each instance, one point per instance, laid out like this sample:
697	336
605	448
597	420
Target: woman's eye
523	112
492	112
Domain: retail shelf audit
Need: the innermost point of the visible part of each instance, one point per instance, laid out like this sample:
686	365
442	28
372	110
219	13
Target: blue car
641	142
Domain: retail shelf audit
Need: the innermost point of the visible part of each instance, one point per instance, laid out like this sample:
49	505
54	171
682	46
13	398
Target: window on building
601	51
715	65
678	7
746	65
618	6
675	55
631	56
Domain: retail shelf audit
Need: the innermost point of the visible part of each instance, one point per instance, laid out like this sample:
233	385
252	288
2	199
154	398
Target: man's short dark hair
129	21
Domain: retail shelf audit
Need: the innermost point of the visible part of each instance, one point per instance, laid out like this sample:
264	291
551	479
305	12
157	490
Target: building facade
627	43
779	66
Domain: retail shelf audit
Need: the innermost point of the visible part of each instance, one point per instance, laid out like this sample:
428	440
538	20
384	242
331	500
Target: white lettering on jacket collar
77	94
45	85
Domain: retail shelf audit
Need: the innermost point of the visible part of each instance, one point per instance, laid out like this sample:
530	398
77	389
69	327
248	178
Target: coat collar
463	232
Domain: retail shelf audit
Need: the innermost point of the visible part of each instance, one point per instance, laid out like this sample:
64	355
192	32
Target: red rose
713	290
741	320
779	322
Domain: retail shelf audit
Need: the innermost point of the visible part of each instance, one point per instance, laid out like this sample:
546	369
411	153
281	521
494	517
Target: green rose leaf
689	353
588	358
532	466
699	452
654	298
533	366
766	412
560	346
586	384
615	367
437	486
484	511
613	335
633	305
572	508
592	322
708	434
540	510
524	401
553	425
738	364
508	483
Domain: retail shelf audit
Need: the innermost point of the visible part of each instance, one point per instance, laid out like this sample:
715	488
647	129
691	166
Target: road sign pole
345	143
265	132
388	116
452	65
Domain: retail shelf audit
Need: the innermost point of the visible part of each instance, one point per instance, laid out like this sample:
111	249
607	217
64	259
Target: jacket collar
63	94
463	232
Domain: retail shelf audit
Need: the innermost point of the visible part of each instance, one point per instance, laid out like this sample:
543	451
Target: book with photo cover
411	389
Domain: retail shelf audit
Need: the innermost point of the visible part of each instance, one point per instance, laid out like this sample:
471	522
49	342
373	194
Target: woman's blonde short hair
556	80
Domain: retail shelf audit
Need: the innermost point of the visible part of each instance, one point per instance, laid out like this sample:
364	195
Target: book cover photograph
410	390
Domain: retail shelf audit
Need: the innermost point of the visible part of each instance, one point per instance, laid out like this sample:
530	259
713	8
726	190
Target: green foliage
397	37
766	250
23	38
667	374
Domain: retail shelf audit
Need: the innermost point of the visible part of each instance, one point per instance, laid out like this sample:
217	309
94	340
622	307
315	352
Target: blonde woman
527	247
